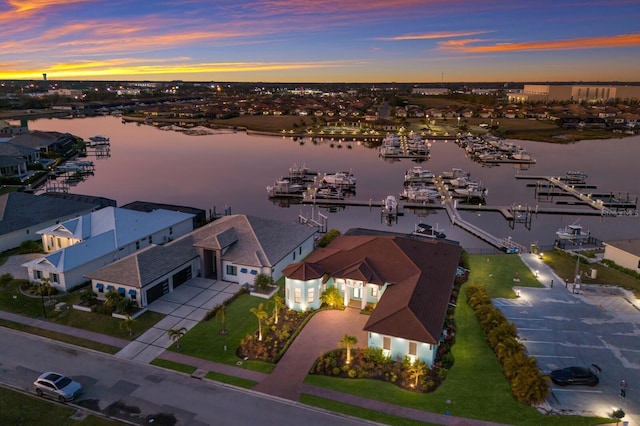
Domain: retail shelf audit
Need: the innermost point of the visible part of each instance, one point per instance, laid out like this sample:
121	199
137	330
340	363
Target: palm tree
175	334
221	315
416	370
348	341
127	324
260	314
111	299
278	303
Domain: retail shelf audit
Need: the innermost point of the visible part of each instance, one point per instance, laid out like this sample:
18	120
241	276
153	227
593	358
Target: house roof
419	275
19	210
127	225
103	232
236	236
304	271
262	242
630	246
35	139
146	266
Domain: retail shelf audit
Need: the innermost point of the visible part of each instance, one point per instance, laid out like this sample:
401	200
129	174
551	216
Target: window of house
311	295
638	263
51	241
137	245
413	348
58	241
171	230
55	278
100	287
150	239
297	295
294	255
300	250
37	274
232	270
374	291
386	343
286	291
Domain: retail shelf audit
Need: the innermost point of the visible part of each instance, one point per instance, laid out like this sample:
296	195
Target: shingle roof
419	274
304	271
19	210
233	235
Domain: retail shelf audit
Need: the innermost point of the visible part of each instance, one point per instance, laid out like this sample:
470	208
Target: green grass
360	412
231	380
205	341
564	264
12	300
175	366
89	344
496	273
17	408
475	386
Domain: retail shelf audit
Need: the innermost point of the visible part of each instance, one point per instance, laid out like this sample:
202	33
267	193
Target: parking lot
563	327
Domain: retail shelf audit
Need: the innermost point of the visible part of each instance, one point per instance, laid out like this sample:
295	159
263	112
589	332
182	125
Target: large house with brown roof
408	279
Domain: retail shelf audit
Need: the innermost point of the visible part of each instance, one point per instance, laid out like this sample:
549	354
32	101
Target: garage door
181	277
157	291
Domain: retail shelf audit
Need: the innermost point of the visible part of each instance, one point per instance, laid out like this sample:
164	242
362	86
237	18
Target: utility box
594	274
61	307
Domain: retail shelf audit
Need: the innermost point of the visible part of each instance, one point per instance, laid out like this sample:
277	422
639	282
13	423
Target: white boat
572	232
329	193
298	172
386	151
340	179
462	181
284	187
99	138
454	173
522	155
417	174
471	190
390	205
420	194
575	176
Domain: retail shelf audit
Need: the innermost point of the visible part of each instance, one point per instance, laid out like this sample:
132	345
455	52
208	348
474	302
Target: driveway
13	265
596	324
321	334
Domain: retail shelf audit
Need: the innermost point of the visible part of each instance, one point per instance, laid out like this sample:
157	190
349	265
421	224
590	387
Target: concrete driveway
597	324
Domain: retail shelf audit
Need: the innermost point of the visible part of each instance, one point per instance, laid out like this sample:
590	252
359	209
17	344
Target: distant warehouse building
588	93
430	91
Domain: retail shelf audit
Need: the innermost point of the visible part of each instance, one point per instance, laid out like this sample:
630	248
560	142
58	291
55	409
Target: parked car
58	386
576	376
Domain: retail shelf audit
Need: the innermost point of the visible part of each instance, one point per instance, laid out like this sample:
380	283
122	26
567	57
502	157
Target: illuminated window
297	295
374	291
232	270
386	343
310	295
413	348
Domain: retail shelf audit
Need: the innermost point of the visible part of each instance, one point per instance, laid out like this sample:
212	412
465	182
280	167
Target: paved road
121	387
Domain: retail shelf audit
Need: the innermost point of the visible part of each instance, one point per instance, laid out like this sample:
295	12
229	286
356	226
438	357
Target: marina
124	177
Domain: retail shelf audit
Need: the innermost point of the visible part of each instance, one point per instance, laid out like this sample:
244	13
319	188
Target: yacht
284	187
340	179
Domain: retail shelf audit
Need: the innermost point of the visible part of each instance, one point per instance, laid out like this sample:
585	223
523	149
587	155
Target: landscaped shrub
263	282
30	247
326	239
528	385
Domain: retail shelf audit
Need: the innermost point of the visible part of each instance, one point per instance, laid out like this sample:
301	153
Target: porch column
346	295
363	298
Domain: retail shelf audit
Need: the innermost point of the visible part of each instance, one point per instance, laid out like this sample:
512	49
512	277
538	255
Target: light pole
44	311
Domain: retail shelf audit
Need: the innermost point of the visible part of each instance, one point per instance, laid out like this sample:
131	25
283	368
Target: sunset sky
321	40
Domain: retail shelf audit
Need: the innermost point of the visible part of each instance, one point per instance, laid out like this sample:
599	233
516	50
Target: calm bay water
233	170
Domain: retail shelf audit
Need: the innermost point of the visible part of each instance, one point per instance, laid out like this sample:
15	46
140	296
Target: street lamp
44	311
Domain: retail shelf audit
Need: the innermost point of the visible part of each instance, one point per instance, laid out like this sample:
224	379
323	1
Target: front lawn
205	340
497	273
17	302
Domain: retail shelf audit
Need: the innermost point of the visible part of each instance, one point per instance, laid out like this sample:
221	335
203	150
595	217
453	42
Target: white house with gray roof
83	244
233	248
22	215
